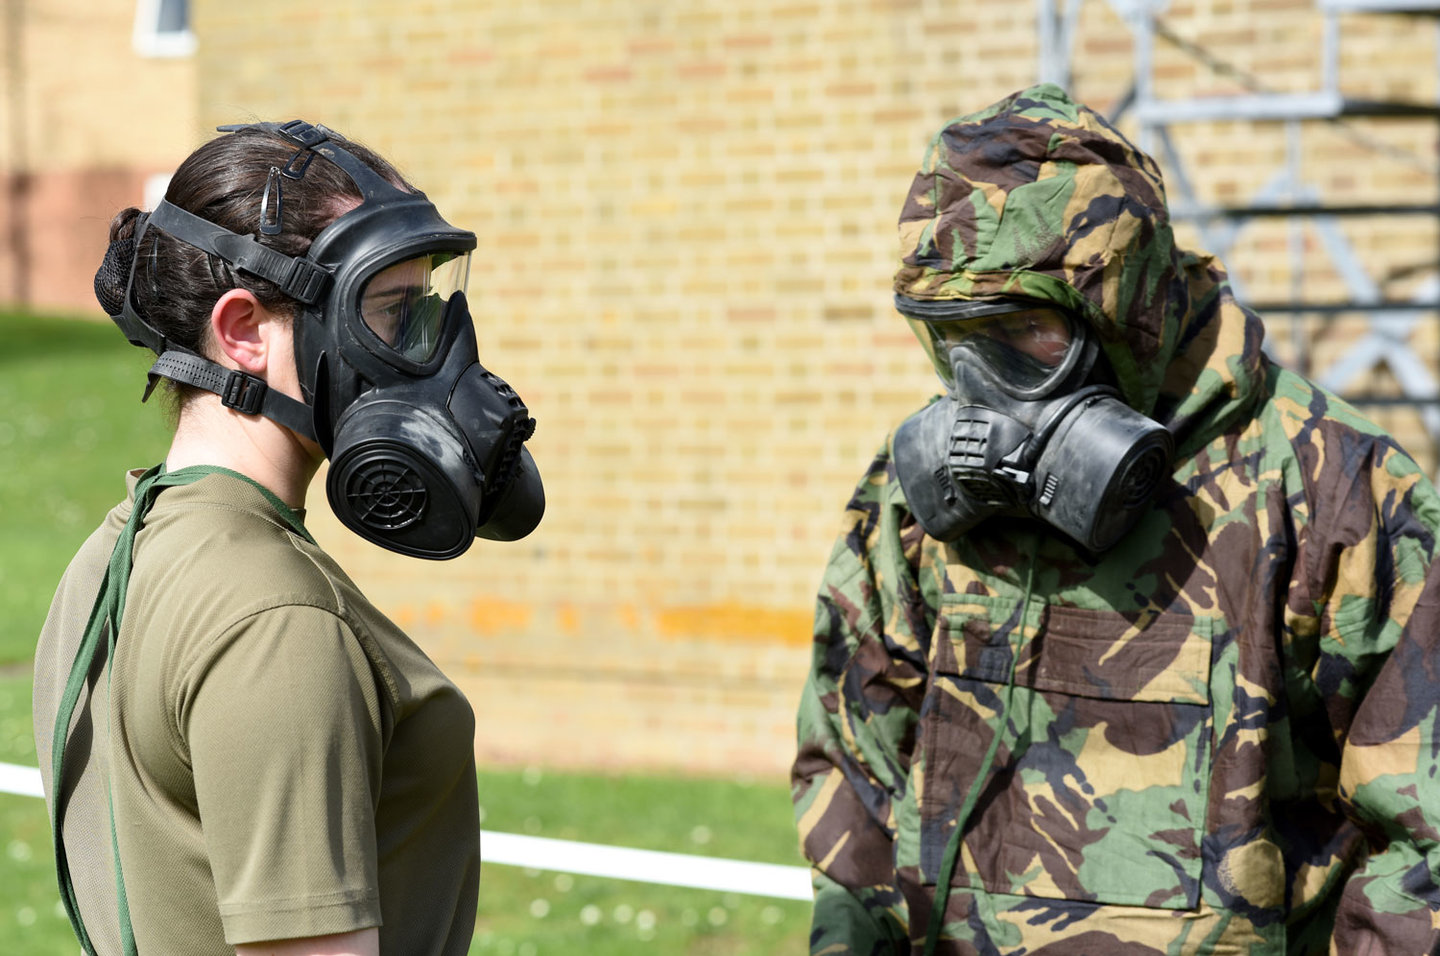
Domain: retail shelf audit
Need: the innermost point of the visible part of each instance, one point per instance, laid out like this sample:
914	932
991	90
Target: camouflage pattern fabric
1224	733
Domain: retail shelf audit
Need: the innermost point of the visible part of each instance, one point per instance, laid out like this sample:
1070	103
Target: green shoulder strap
105	621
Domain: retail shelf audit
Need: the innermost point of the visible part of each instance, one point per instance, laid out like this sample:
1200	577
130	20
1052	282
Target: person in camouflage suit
1222	735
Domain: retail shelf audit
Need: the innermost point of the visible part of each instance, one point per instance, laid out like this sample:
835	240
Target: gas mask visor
1026	349
403	305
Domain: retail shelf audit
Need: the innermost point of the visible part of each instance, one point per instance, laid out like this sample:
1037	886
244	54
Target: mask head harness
1026	429
426	445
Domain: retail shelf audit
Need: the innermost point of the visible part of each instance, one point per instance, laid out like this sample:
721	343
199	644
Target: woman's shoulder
223	537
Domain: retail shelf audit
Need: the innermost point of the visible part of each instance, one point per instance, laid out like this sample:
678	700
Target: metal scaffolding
1387	325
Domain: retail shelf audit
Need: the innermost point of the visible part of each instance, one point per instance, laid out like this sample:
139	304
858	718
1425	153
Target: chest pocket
1098	790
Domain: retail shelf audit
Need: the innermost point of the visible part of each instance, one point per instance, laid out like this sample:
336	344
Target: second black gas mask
1023	430
426	446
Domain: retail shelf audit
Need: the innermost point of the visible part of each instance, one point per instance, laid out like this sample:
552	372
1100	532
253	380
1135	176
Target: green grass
524	911
31	918
70	423
555	913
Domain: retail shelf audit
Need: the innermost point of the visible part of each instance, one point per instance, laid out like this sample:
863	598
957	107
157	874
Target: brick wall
84	119
686	218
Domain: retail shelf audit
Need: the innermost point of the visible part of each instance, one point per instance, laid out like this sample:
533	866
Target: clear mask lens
404	304
1025	348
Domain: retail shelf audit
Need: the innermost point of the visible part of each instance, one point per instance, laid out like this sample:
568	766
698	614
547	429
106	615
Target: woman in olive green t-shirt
272	764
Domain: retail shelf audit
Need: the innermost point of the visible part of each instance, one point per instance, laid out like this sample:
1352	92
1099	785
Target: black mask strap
300	279
238	390
314	138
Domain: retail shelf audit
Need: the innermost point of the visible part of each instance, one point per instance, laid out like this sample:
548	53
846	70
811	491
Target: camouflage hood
1039	197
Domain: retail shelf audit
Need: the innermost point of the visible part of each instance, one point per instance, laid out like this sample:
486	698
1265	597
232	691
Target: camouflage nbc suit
1223	732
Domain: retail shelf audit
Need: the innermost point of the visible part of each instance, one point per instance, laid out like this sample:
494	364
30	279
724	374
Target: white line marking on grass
22	781
588	859
647	866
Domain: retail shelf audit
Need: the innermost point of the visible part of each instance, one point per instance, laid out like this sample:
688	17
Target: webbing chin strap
238	390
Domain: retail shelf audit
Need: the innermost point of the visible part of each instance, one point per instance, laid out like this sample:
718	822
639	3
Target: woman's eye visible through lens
385	317
405	305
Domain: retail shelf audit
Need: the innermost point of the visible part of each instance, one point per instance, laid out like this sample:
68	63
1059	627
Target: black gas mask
426	446
1025	429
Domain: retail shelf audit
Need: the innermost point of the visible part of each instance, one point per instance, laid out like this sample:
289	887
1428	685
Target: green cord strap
952	847
105	620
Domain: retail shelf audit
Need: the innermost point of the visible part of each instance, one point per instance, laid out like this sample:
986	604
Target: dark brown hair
176	285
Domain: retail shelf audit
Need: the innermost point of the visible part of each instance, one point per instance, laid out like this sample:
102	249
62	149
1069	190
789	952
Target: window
162	28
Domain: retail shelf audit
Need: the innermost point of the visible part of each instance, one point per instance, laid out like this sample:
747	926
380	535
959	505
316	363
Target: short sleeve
282	721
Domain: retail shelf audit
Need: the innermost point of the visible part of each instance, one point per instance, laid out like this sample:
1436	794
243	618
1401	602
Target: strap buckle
243	392
303	134
305	282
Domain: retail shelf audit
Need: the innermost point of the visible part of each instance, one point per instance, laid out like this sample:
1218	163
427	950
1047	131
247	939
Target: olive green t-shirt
285	762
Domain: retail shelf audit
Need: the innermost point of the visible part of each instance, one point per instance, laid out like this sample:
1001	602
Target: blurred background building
686	222
97	101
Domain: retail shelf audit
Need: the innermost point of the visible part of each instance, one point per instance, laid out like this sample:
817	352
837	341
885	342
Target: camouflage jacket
1223	733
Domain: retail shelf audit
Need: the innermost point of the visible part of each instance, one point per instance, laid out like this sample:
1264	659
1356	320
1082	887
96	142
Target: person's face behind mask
1023	348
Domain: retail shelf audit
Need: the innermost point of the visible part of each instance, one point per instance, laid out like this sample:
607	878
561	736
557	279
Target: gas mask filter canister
1022	431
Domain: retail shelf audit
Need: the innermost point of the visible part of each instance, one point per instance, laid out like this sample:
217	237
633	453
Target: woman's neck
208	433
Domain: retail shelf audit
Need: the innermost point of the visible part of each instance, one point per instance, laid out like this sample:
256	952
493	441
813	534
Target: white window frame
150	41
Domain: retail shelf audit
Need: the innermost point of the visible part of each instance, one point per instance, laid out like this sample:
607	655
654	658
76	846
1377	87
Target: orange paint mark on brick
492	615
732	622
629	617
404	617
567	619
435	613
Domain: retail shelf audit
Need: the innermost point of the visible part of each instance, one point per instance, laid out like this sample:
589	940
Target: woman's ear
241	327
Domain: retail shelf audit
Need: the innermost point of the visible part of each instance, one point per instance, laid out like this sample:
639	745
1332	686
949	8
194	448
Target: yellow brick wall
686	218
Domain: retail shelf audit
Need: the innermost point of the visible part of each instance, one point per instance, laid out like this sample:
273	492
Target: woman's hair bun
113	276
